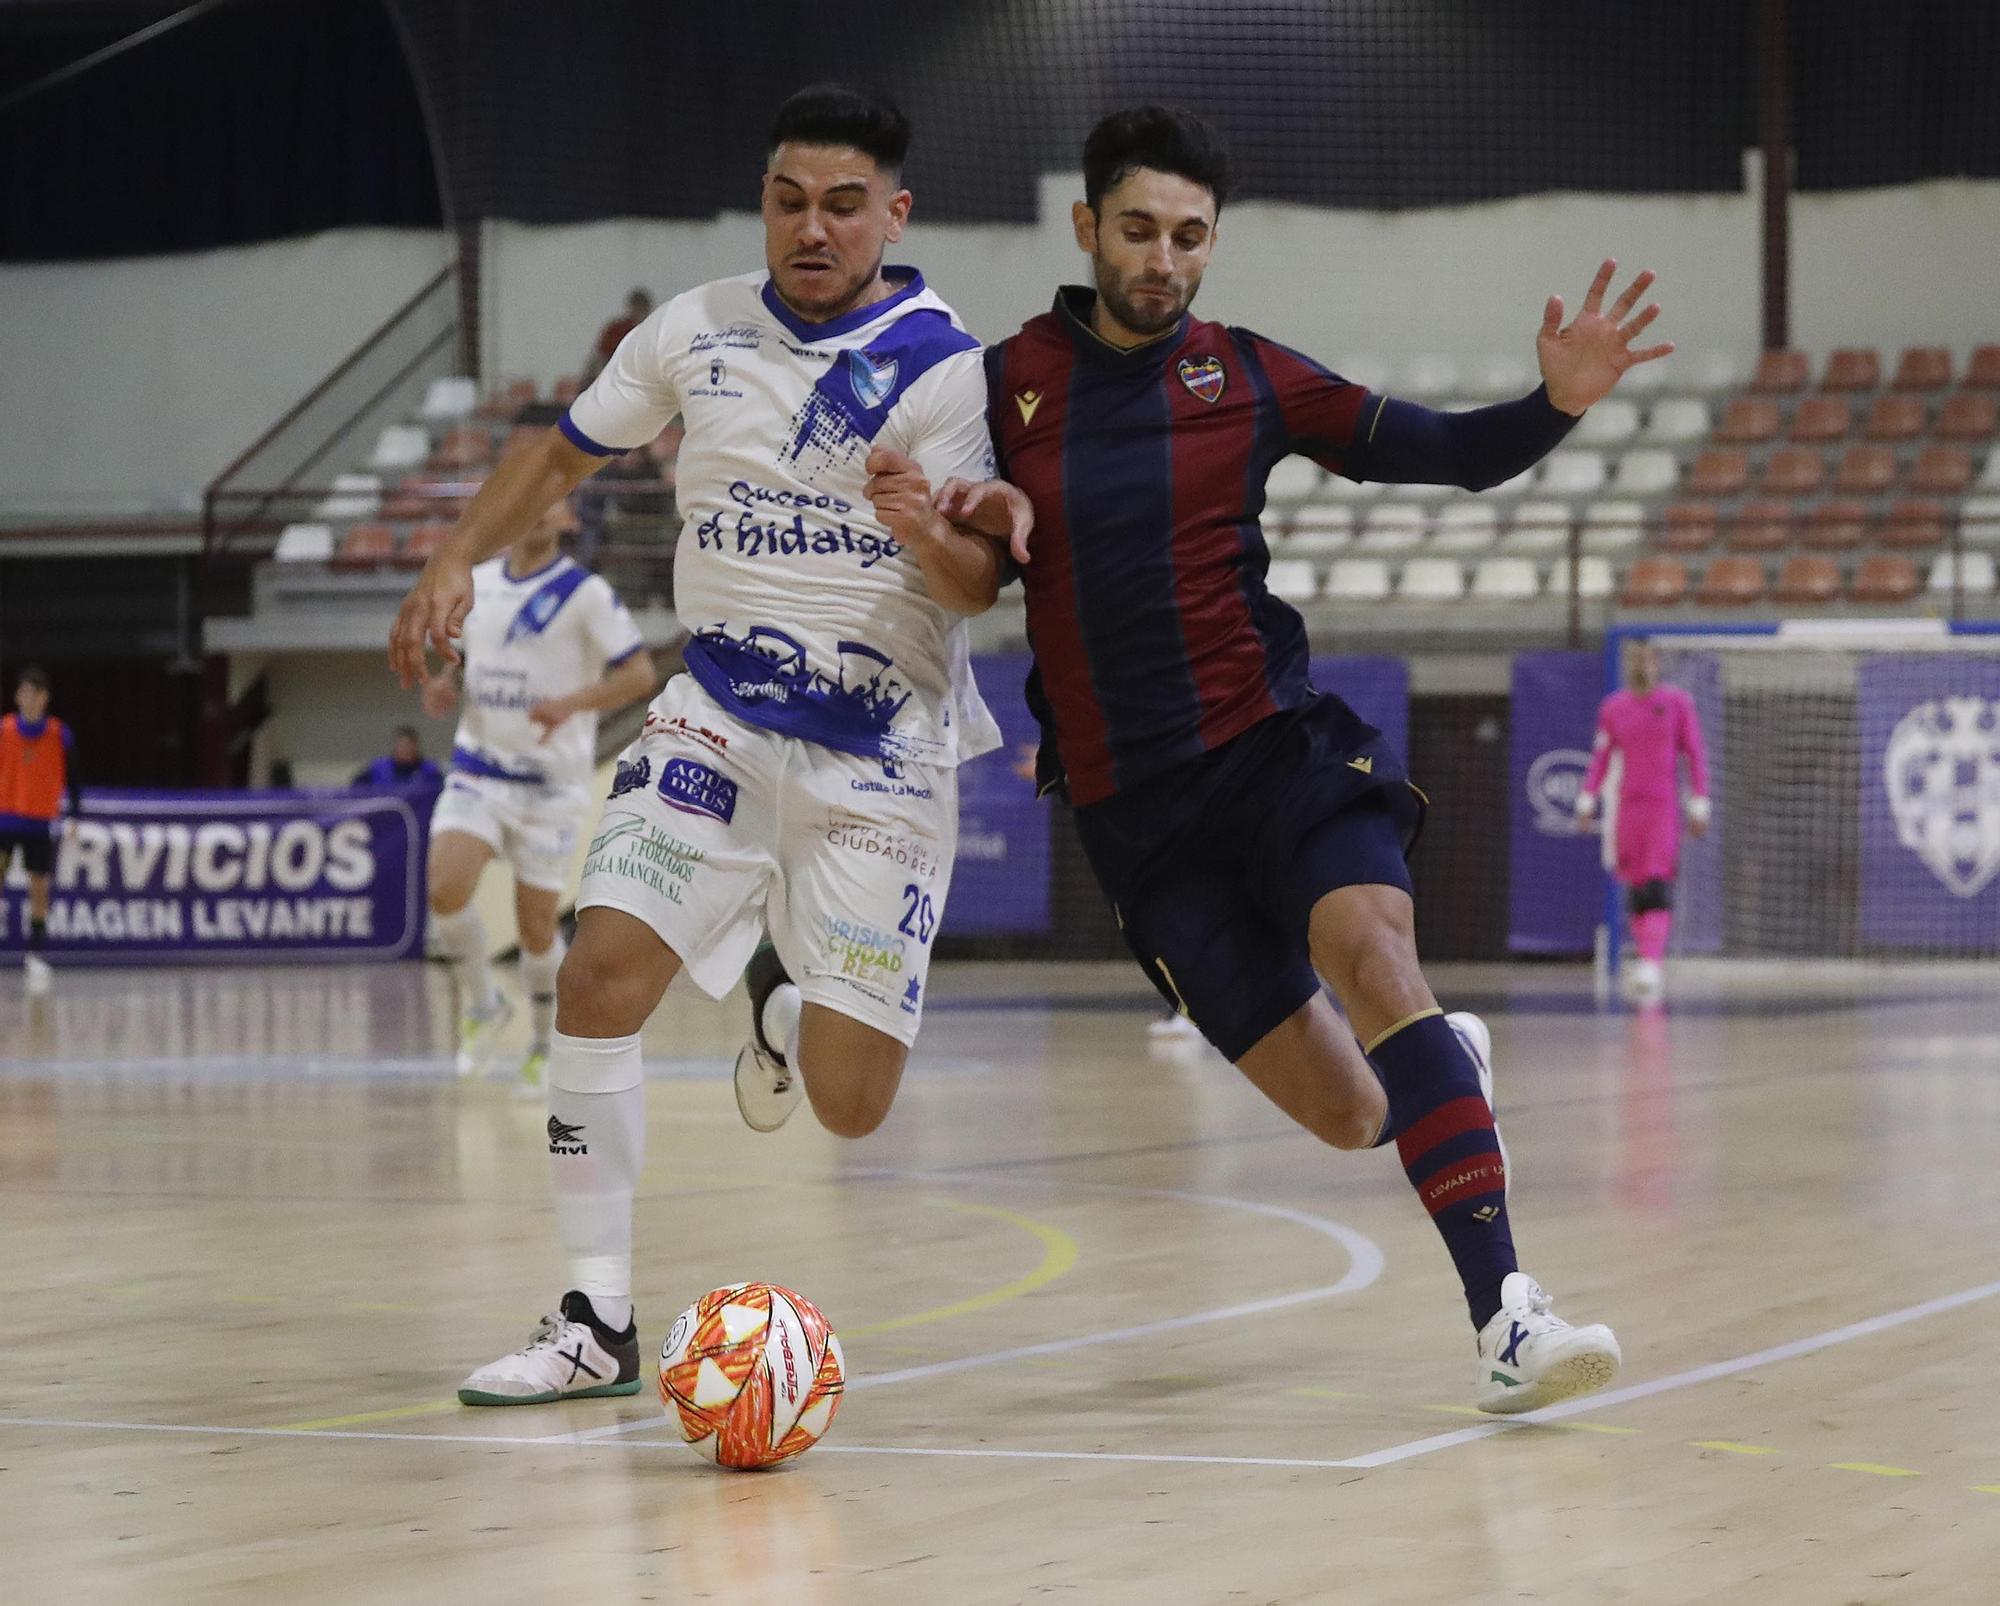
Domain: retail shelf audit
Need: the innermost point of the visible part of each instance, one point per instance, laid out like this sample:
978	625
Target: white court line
1364	1266
270	1433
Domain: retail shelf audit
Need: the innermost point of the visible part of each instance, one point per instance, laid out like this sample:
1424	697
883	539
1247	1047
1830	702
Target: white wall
332	712
129	385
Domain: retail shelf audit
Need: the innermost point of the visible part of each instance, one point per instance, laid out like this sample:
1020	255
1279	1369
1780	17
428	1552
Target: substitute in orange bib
37	766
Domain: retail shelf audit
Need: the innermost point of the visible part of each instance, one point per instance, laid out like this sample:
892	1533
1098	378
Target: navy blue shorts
38	850
1213	867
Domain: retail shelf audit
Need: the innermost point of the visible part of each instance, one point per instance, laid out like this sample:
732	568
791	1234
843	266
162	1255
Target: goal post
1854	768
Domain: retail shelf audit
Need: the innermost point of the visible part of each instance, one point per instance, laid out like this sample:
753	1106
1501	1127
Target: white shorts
716	830
532	827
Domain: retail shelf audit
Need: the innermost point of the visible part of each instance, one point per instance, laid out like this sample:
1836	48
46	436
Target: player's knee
597	995
1371	966
447	898
851	1074
1650	897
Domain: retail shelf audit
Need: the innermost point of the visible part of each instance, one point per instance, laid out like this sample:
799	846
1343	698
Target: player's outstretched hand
992	507
1582	362
901	495
432	614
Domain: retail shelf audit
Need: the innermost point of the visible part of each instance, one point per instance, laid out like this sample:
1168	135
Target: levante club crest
1204	376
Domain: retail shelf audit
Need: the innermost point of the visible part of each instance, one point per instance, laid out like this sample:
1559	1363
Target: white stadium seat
400	446
305	543
1505	580
1612	422
1679	421
1572	473
449	399
1718	370
1431	580
1646	472
1464	528
1357	580
1514	485
1294	479
1293	579
1613	526
1316	540
1594	578
1979	520
1977	573
355	496
1389	539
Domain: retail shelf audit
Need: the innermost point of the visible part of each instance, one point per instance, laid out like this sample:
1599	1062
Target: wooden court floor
1115	1332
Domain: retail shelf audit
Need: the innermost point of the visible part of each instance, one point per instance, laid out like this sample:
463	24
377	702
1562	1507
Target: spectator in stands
404	764
37	769
637	305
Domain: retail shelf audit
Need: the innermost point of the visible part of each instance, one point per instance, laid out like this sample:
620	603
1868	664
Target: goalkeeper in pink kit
1649	725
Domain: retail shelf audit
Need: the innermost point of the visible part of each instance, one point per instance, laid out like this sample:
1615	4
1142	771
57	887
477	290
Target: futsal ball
751	1374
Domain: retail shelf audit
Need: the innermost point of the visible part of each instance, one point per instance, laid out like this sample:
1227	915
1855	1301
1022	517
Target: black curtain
258	120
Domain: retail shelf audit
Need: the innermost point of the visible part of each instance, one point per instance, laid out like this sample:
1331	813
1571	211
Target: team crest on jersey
872	380
1942	772
1205	376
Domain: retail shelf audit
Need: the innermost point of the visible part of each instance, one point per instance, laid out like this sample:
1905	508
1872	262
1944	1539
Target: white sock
461	938
597	1144
538	975
781	1020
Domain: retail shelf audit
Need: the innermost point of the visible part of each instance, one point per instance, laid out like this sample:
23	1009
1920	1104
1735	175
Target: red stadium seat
1837	526
424	540
1720	471
1822	418
1763	526
1914	524
1732	583
1924	368
1689	527
508	400
1865	470
1781	372
365	546
1968	417
1983	372
1941	471
1806	581
467	446
1655	583
1884	577
1749	421
566	390
1852	368
1895	418
1795	471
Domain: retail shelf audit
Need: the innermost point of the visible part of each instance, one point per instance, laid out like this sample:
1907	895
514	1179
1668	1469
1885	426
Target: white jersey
808	618
528	638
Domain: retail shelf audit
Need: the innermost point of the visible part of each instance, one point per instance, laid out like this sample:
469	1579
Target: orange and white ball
751	1374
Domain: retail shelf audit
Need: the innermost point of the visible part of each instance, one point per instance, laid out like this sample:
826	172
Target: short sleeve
634	397
942	421
609	623
1322	413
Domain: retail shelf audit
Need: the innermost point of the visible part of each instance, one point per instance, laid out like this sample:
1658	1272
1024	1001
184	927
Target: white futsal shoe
534	1071
572	1356
1530	1357
767	1089
1478	1041
1645	981
478	1031
38	974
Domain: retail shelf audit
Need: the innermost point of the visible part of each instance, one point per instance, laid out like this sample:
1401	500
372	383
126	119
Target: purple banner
1001	882
224	876
1378	689
1555	895
1930	802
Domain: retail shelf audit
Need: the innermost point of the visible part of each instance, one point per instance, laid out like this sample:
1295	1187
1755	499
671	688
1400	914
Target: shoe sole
603	1390
743	1106
1583	1373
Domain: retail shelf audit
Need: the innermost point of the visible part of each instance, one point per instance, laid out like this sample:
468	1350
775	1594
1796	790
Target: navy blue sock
1444	1133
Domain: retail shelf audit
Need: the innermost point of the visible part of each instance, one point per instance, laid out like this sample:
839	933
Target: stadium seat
1430	377
467	446
1749	421
304	543
1983	371
1821	418
1357	580
1989	476
1292	579
1799	470
400	446
364	546
1975	568
1720	471
1594	578
566	390
1761	526
1979	521
1294	479
353	496
1613	526
1865	470
1732	583
449	399
1514	484
1679	421
1914	524
1465	527
1923	368
1941	470
1323	520
1501	378
1689	527
1895	418
1852	368
1713	371
1431	580
1612	422
424	540
1391	539
507	400
1884	577
1505	580
1838	525
1968	417
1571	473
1538	527
1657	582
1648	471
1808	580
1316	541
1780	372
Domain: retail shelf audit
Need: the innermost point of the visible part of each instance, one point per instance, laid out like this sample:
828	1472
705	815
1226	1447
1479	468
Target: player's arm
1688	737
627	681
962	567
1593	778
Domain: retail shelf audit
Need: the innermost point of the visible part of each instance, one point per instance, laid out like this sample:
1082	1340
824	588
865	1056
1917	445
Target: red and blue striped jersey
1155	638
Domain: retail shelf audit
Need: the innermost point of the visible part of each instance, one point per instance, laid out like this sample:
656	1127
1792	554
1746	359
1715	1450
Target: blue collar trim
847	322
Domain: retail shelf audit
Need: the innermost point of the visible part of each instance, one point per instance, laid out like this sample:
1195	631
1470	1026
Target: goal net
1855	776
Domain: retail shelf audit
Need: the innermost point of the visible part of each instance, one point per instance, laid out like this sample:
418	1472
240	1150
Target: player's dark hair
34	675
409	731
1159	137
845	114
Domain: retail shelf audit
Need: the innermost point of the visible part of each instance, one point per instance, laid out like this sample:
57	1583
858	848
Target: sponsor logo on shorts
632	849
680	725
696	789
866	957
911	995
872	841
890	788
631	776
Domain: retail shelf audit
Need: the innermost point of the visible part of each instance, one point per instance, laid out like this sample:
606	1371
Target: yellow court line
1563	1427
1731	1447
1986	1488
427	1408
1875	1469
1058	1256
